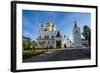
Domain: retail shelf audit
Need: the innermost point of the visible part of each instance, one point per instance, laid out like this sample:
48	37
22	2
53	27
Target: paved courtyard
61	55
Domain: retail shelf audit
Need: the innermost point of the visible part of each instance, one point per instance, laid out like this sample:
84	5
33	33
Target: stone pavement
61	55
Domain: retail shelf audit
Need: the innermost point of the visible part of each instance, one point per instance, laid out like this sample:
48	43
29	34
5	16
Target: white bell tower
76	36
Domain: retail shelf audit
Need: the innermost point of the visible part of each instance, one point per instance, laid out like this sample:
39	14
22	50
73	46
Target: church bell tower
76	36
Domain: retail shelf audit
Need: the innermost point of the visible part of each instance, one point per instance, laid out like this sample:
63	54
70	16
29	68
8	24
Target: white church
50	37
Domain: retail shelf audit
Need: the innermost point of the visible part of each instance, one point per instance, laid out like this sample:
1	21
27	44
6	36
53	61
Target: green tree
87	34
34	45
42	43
26	44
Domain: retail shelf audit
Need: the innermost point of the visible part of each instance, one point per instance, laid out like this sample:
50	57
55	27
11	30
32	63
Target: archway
65	46
58	44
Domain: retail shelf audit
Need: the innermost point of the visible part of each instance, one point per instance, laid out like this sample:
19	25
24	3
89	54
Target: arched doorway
58	44
65	46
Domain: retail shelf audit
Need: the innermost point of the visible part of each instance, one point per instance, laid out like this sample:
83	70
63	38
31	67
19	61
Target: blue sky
64	21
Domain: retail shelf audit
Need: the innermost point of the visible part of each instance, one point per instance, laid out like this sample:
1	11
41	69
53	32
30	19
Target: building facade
66	42
50	37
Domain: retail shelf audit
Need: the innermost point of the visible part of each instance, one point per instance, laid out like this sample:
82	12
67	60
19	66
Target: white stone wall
46	36
77	37
47	33
49	42
66	42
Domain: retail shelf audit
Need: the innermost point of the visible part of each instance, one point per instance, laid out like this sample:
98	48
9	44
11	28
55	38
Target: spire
75	26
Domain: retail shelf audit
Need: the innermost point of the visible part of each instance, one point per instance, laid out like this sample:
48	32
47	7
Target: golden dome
48	26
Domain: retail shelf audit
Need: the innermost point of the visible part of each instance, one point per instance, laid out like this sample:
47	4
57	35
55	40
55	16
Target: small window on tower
76	31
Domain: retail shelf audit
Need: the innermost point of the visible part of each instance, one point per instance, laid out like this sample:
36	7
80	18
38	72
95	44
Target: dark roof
58	34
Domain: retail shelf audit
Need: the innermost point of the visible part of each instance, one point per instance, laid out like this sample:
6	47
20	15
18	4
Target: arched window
52	37
47	37
76	31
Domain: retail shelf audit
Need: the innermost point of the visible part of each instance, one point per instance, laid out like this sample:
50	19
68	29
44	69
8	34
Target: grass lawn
30	53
